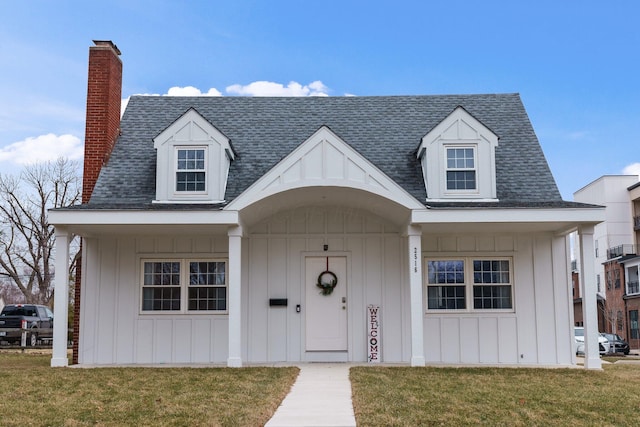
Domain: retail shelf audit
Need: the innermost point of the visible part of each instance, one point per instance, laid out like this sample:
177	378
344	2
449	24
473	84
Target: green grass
33	394
397	396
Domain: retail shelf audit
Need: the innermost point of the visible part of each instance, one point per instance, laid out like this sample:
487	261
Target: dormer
193	159
458	160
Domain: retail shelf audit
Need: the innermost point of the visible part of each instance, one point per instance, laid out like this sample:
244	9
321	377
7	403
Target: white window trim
184	285
190	194
468	283
453	192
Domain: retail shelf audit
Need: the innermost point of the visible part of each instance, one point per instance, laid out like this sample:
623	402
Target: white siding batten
235	297
61	299
589	303
414	240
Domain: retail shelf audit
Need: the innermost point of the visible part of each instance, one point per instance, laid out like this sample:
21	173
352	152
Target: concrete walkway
321	396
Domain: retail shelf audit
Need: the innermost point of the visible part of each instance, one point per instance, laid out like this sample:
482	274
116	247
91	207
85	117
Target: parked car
603	342
617	344
38	319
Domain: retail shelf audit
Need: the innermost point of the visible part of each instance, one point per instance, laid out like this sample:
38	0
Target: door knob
344	300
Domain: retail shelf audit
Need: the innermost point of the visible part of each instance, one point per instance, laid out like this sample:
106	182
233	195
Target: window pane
633	324
449	271
207	298
460	158
161	299
461	174
190	181
461	180
161	273
207	289
492	297
496	271
190	159
207	273
446	297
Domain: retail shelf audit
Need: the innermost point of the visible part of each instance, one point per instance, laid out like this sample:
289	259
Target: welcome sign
373	334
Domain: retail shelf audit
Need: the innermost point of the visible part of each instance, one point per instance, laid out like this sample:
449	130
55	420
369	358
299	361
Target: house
237	230
616	255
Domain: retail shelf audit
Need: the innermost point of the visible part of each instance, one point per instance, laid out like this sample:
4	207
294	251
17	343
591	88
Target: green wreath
327	287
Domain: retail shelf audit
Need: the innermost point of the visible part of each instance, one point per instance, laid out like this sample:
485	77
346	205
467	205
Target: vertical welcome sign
373	334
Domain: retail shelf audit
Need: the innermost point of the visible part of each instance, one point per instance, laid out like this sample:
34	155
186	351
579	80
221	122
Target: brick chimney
104	93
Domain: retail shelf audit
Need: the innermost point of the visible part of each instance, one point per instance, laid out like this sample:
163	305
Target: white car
603	342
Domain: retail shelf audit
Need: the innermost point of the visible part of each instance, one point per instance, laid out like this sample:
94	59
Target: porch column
235	297
414	236
61	298
589	300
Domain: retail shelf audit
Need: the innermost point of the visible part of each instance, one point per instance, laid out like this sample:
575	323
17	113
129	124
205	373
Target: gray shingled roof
386	130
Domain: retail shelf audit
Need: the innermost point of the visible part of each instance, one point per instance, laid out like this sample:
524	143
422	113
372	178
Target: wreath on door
327	282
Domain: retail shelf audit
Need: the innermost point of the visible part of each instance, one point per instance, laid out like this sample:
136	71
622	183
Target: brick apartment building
616	244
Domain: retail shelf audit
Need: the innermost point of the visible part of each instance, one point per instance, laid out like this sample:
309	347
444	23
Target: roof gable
325	160
459	130
191	132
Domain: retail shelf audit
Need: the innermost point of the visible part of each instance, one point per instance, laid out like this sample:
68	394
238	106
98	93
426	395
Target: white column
414	236
235	298
589	298
61	299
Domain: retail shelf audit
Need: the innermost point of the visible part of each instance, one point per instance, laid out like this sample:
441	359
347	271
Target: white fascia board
119	217
479	215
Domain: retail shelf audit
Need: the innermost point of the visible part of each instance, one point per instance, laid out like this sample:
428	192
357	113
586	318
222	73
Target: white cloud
173	91
43	148
264	88
192	91
632	169
259	88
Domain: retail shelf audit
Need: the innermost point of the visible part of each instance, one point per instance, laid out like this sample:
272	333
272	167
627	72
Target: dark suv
618	345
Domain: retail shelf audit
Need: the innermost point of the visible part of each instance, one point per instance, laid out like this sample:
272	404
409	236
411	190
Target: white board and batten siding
274	252
115	332
535	333
278	248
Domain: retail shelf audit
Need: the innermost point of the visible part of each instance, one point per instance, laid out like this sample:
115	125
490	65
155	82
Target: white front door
326	314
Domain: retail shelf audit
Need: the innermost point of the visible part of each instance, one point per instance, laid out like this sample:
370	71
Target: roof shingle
386	130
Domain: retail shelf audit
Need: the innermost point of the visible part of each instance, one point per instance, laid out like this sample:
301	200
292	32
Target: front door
326	305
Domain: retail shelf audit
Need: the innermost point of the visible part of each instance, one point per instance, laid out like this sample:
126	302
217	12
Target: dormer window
190	170
458	160
193	160
461	169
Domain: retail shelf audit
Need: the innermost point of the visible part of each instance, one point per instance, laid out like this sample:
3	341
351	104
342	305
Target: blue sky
575	63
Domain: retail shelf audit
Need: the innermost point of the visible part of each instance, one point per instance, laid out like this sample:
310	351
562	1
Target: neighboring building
615	242
609	191
402	229
631	273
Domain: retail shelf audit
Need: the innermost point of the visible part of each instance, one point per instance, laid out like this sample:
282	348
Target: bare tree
26	237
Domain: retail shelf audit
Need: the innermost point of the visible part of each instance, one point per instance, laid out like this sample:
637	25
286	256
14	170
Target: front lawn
33	394
398	396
